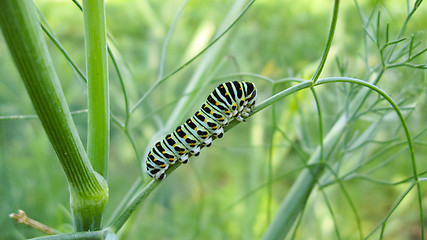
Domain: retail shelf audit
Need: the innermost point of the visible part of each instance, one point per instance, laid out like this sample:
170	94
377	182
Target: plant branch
97	74
328	42
118	223
22	32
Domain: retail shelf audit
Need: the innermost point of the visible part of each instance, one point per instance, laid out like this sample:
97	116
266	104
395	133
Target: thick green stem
22	32
97	76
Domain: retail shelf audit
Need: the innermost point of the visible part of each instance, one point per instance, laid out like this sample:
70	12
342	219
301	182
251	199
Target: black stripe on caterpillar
229	101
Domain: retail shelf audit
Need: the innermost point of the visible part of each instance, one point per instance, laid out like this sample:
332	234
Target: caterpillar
229	101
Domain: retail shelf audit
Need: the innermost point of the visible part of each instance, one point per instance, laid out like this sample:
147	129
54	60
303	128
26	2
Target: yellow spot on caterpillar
205	120
195	129
174	145
185	137
226	94
163	165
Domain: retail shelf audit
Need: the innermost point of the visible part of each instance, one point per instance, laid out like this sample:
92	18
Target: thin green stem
198	77
10	117
397	203
270	163
129	136
98	92
139	102
118	223
165	43
329	206
122	85
64	52
125	200
347	196
349	175
359	104
416	5
320	121
328	42
281	95
119	74
273	99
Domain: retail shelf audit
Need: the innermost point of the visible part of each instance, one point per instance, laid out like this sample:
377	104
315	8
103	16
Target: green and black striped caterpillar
229	101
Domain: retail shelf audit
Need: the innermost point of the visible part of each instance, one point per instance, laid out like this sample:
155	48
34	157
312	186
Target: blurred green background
225	193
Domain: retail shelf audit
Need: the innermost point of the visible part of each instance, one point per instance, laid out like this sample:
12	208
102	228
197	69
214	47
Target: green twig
166	41
328	42
118	223
64	52
122	85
